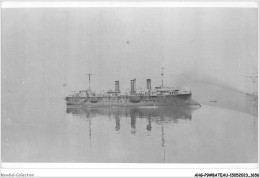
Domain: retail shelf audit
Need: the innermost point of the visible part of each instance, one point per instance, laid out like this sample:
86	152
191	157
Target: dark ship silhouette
159	96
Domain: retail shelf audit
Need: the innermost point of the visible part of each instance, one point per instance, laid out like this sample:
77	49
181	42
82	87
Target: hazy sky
44	48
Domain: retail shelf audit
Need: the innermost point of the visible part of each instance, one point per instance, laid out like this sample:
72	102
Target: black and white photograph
129	85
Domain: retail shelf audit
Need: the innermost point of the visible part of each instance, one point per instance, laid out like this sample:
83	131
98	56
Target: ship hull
126	101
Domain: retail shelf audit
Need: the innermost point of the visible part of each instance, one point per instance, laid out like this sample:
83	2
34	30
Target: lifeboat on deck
94	99
135	99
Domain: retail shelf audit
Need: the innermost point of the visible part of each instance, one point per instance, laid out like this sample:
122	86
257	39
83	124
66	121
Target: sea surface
46	130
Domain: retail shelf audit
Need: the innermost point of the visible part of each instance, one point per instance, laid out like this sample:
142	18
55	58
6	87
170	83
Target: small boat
212	101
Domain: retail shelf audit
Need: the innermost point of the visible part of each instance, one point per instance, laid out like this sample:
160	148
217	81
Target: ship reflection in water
148	118
161	135
159	115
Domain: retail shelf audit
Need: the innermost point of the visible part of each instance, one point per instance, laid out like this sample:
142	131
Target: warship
158	96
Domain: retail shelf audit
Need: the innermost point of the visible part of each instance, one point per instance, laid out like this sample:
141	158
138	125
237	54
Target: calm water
48	131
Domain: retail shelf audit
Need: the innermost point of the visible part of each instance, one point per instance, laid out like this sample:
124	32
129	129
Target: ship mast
89	79
162	76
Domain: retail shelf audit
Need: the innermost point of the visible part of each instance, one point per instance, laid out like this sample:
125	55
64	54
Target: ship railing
184	92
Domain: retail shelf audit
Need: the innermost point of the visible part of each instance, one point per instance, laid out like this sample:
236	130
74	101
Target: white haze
43	49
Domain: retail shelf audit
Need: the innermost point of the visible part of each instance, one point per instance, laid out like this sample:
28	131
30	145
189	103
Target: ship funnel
117	86
149	84
133	86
